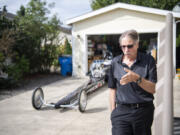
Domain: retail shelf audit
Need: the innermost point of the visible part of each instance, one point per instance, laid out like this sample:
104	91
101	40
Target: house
65	33
104	26
8	15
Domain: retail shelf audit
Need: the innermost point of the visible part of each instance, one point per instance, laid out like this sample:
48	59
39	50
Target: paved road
17	117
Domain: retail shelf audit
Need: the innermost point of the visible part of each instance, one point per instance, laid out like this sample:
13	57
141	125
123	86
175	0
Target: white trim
140	32
123	6
73	53
174	48
158	46
158	43
86	54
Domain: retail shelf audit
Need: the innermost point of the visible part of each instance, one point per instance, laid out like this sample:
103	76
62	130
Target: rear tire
37	98
82	100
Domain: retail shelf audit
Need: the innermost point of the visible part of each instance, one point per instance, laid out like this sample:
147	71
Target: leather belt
135	105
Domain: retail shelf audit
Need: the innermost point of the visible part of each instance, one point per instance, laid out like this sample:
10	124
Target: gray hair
131	34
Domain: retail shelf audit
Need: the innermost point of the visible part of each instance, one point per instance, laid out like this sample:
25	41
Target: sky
64	9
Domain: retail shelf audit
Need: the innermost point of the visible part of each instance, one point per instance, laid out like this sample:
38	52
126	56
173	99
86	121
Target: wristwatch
139	80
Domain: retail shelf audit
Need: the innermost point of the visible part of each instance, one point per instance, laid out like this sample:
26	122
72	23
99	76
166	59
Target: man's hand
129	77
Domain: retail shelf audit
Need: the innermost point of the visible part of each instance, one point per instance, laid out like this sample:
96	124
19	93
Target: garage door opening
98	43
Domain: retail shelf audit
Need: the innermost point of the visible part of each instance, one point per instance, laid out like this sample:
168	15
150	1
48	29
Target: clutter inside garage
98	45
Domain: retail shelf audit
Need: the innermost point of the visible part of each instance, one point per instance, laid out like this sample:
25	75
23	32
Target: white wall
113	22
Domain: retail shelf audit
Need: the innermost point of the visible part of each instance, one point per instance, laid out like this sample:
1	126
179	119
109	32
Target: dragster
98	75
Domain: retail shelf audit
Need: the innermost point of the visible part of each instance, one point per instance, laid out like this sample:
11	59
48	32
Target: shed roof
122	6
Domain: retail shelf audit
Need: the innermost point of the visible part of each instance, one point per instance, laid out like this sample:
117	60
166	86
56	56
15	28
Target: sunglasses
128	46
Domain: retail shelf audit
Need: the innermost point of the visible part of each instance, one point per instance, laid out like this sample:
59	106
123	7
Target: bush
49	56
17	70
28	41
67	47
64	49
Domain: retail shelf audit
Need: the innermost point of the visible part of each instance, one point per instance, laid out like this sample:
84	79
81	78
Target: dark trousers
131	120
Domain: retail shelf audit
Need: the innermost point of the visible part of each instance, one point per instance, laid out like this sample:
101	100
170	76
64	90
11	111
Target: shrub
17	70
67	47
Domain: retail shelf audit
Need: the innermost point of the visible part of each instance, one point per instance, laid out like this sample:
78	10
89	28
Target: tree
67	47
37	34
21	41
160	4
10	63
7	39
96	4
21	12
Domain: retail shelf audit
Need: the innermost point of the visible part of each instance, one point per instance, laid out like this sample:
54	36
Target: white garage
105	25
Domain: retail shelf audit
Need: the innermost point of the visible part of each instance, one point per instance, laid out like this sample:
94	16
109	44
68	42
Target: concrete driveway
18	117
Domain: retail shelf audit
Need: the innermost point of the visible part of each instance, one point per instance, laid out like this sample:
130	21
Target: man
132	82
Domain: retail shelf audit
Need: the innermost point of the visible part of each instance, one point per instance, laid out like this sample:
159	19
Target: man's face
128	46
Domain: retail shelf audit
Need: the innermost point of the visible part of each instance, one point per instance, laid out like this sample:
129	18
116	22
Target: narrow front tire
37	98
82	100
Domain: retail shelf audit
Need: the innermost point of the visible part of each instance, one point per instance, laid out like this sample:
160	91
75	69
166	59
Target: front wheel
82	100
37	98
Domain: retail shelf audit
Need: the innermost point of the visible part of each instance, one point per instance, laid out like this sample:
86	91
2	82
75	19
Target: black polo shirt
145	66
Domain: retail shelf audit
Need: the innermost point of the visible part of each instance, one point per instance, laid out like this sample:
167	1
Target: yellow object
178	70
153	53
